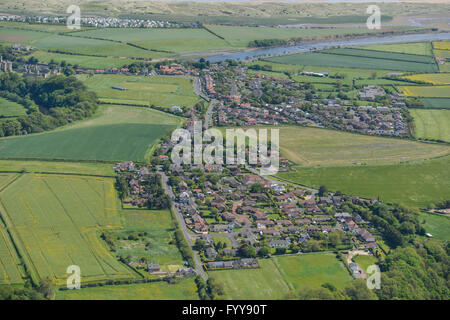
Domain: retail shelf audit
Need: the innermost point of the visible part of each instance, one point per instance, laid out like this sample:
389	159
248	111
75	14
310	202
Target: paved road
180	218
198	89
209	113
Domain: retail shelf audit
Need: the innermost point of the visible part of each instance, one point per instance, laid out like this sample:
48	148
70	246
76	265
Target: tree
323	191
358	290
247	251
257	188
264	252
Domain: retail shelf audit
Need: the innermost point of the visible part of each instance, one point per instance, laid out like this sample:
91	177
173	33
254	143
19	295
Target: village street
179	215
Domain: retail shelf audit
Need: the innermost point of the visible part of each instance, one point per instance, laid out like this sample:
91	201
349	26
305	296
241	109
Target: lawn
179	40
161	91
55	220
426	91
323	147
115	133
422	48
160	234
431	124
437	225
279	275
365	261
358	59
182	290
224	240
10	109
417	183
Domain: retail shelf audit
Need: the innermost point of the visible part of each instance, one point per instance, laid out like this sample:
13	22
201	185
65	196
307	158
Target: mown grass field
416	184
161	91
73	44
436	103
10	109
357	58
80	45
82	61
422	48
364	261
431	78
238	36
322	147
179	40
279	275
431	124
115	133
55	220
425	91
160	230
182	290
10	270
437	225
35	166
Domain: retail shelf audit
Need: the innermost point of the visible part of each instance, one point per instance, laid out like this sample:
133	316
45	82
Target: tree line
49	103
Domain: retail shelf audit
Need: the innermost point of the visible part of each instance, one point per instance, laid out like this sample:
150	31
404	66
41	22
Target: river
276	51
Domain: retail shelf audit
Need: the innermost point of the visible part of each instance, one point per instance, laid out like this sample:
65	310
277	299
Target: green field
323	147
10	271
10	109
279	275
422	48
5	179
161	91
417	184
82	61
160	229
238	36
182	290
54	221
431	124
181	40
364	261
115	133
437	225
431	78
357	58
88	168
436	103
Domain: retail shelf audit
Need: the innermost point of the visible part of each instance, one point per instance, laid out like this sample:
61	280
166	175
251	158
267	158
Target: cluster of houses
278	216
334	113
175	69
5	65
39	69
98	22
